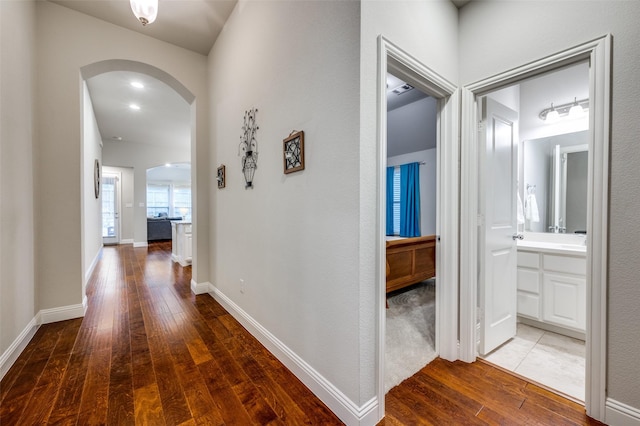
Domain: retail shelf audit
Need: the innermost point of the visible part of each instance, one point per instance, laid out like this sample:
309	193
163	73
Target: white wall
140	157
520	32
127	200
428	185
293	238
17	92
66	42
412	127
91	206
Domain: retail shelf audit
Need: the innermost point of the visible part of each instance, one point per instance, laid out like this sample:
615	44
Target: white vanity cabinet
181	242
552	290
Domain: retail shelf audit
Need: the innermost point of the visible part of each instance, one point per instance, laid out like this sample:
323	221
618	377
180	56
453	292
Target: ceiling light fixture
137	85
405	87
573	109
134	107
145	10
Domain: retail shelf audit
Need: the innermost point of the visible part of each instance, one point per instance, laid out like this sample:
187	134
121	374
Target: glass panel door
110	225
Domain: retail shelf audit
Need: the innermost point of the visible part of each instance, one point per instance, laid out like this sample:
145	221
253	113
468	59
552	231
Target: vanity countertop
552	247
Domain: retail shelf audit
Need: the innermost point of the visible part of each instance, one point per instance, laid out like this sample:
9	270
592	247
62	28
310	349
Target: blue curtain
409	200
389	200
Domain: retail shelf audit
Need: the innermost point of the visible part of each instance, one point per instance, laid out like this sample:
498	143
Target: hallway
150	352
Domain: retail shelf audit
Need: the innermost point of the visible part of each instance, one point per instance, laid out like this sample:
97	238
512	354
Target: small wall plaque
221	177
293	152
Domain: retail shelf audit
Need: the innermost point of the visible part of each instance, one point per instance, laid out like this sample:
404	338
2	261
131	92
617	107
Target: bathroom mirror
554	187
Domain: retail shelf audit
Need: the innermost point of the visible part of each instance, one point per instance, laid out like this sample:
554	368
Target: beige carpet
410	332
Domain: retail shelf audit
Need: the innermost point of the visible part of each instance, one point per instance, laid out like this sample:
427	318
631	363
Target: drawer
528	259
566	264
528	280
529	305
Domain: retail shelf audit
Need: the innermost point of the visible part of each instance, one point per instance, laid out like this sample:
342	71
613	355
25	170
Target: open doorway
394	61
412	181
111	201
143	122
598	55
533	197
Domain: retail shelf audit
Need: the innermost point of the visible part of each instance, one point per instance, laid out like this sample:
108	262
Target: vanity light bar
563	110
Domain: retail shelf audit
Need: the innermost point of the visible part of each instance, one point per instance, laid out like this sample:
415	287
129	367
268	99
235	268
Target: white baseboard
12	353
140	244
87	274
619	414
348	411
62	313
200	288
126	241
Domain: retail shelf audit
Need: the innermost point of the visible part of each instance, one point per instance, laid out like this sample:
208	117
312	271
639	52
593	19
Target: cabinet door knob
517	237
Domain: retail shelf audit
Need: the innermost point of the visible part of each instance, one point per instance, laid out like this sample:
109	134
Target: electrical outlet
241	286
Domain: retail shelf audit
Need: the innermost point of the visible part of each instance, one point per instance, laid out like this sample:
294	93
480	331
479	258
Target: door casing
598	52
402	64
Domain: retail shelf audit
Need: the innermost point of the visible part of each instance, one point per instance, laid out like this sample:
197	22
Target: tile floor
550	359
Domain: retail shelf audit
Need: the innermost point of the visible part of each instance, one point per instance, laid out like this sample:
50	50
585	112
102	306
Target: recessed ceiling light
134	106
137	85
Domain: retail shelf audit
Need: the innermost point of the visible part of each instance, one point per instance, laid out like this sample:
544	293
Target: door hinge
480	126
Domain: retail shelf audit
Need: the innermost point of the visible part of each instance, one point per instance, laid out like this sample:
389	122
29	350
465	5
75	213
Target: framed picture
96	178
221	177
293	152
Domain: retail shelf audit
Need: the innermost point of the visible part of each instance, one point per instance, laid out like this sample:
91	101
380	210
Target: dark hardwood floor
149	352
457	393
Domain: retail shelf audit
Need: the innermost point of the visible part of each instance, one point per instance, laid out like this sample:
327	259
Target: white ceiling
192	24
177	172
395	101
163	118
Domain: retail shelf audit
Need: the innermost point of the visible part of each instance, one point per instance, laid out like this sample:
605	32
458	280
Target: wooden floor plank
149	352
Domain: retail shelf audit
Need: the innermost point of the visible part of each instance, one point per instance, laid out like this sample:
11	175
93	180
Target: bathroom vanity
552	286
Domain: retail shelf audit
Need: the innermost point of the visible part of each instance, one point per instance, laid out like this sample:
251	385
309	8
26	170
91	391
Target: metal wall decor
293	151
222	182
249	147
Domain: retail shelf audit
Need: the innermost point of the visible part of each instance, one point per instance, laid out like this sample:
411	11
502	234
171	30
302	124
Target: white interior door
497	293
110	209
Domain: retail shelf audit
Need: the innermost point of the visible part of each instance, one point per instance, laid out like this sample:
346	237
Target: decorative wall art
249	147
96	178
293	152
222	182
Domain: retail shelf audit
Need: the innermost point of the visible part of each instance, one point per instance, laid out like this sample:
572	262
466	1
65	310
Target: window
157	200
169	199
182	201
396	201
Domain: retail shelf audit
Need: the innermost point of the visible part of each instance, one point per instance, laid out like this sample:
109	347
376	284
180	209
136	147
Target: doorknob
517	237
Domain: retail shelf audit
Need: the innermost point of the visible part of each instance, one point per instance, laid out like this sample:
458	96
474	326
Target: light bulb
552	116
576	110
